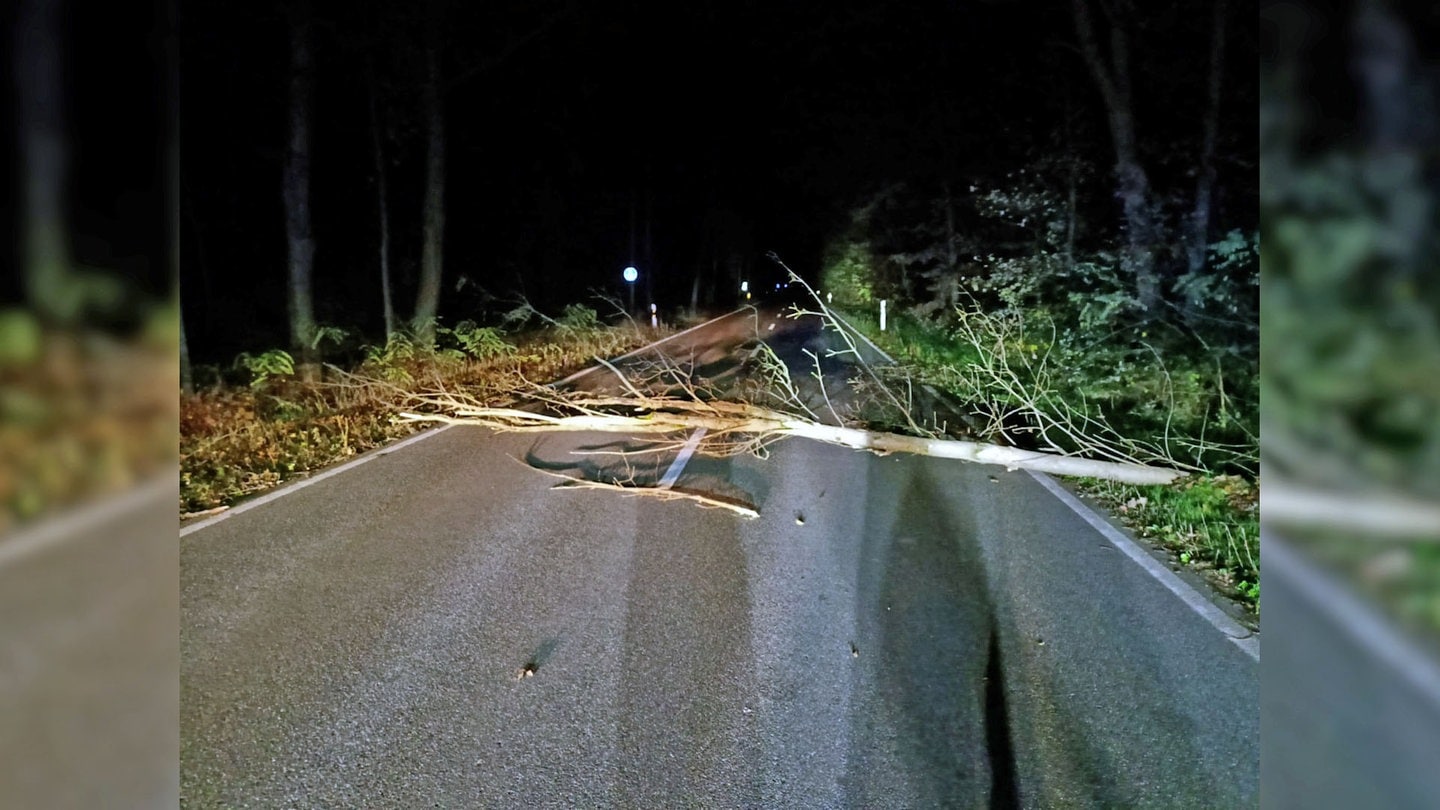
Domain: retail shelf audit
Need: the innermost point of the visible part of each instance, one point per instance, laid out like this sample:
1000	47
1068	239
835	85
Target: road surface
436	627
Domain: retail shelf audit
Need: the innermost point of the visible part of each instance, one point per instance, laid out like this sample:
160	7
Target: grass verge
238	441
83	414
1209	521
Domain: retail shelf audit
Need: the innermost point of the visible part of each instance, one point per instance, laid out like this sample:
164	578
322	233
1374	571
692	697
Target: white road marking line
1365	625
314	479
390	448
1238	634
82	522
860	335
678	465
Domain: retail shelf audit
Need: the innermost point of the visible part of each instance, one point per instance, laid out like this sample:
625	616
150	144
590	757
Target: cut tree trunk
725	422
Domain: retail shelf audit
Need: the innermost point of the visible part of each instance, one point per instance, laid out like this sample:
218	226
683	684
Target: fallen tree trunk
734	428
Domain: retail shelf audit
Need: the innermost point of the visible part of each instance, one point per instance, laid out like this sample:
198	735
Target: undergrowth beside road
1211	523
83	413
237	440
1177	403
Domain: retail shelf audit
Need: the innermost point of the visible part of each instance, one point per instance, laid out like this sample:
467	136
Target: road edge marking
371	455
1238	634
678	465
1241	636
833	314
294	486
1366	626
78	521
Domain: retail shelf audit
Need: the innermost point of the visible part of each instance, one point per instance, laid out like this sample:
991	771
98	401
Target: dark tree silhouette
427	296
300	241
1111	73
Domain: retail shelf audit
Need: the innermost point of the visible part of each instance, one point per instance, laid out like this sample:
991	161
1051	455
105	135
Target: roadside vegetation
1049	346
1121	400
1351	314
263	420
84	412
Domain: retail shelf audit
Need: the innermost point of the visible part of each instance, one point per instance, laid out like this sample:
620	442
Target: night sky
754	126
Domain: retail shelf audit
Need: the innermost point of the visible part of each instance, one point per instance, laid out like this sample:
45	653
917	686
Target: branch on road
735	428
663	493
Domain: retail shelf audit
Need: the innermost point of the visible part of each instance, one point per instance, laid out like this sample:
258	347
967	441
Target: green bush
266	366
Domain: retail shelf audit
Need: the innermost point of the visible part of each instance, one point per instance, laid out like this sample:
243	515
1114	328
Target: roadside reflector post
882	314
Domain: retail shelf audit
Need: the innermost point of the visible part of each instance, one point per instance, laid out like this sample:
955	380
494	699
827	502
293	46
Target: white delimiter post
882	314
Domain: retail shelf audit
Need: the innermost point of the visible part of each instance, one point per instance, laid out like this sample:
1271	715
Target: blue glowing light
631	274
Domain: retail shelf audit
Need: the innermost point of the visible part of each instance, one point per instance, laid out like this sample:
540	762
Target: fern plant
266	365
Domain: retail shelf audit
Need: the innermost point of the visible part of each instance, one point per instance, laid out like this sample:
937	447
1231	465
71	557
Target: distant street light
630	274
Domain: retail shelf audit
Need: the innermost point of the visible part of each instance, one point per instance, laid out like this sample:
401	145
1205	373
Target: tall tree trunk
1072	179
951	289
1197	232
1072	214
427	299
1132	184
300	241
39	95
382	199
172	180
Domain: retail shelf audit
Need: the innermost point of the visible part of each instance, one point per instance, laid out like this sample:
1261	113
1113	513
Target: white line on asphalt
1236	632
81	522
314	479
859	334
678	465
390	448
1363	623
1241	636
647	347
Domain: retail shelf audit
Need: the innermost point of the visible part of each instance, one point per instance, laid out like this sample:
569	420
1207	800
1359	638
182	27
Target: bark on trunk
950	292
382	199
427	299
172	181
39	92
1132	184
300	241
725	419
1197	236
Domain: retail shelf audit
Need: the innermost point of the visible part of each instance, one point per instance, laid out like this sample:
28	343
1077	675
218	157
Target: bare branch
664	494
744	428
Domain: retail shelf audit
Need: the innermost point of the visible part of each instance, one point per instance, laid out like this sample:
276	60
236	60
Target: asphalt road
89	647
890	632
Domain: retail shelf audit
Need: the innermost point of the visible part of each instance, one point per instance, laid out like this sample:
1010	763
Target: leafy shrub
478	341
265	366
578	318
849	274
